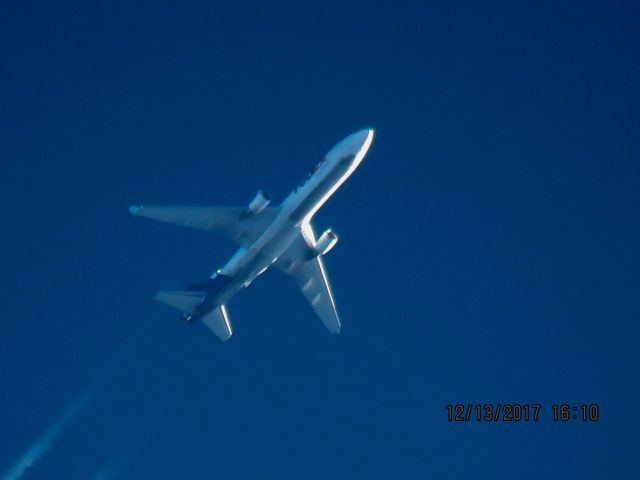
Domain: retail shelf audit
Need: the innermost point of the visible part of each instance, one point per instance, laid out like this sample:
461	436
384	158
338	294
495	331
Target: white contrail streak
112	470
119	463
43	444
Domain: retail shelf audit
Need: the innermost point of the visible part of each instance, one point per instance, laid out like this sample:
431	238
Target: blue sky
487	254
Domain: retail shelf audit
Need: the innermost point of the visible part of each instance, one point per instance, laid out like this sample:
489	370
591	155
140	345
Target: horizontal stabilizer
218	322
184	301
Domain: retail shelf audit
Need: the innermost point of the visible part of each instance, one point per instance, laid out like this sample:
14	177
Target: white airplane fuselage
296	212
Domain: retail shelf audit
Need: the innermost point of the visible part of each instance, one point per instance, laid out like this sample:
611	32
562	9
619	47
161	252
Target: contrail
113	469
120	461
43	444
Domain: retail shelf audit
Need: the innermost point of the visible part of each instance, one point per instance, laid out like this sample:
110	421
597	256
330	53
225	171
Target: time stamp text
525	412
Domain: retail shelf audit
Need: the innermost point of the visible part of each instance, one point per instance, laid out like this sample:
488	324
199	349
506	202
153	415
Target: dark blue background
488	252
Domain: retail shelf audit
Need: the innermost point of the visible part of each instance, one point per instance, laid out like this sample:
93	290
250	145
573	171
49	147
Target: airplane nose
368	134
355	144
357	141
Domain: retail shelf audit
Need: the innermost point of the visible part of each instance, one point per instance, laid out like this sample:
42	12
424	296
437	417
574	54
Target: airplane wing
233	222
311	275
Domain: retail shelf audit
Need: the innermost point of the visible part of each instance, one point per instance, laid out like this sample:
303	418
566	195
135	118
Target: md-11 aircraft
282	236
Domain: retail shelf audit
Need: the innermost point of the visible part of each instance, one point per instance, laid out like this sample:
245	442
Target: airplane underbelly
250	263
318	194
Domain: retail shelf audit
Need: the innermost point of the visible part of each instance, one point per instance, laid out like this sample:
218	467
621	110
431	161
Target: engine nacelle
260	202
326	242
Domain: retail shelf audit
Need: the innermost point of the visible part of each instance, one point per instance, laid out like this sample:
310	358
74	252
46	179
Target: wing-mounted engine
326	242
260	202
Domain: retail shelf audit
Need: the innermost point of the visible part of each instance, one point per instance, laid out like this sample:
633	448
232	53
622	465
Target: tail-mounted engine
326	242
260	202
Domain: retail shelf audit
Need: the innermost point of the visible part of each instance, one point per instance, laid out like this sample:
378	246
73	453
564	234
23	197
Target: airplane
268	235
